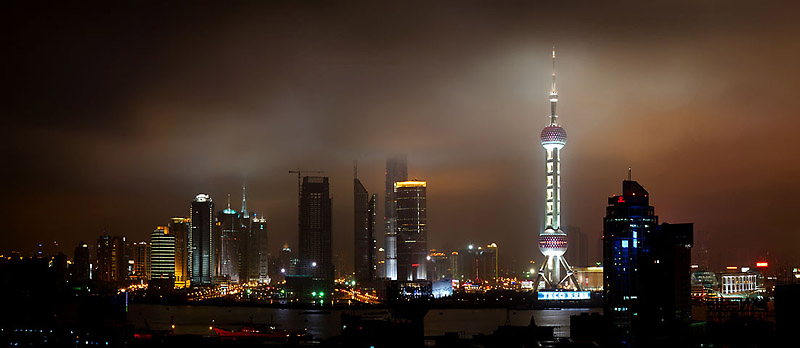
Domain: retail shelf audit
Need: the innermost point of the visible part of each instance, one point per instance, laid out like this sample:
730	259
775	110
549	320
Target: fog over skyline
115	118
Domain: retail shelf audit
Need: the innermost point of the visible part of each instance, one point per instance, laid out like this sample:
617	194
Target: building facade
411	221
227	231
201	241
364	233
111	259
179	227
141	261
315	251
647	271
396	170
162	255
81	269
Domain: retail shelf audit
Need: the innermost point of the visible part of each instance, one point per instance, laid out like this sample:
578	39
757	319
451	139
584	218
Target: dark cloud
116	118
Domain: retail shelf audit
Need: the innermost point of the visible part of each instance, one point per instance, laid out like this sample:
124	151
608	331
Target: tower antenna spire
245	214
554	70
629	173
553	93
229	201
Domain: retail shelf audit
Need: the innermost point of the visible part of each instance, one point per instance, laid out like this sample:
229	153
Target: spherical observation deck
553	243
553	136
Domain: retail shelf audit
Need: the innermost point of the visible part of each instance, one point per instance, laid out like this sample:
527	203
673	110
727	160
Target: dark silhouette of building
578	251
315	251
364	234
475	262
201	241
396	170
438	266
787	307
179	227
81	264
111	259
647	270
412	230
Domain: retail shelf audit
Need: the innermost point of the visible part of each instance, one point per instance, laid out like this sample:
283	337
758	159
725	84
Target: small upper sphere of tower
554	135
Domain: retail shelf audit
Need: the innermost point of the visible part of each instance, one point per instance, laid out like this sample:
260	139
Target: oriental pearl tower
553	240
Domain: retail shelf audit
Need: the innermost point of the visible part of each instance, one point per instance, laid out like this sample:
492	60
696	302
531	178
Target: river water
196	320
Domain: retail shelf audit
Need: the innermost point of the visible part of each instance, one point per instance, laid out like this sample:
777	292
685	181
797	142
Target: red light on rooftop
762	264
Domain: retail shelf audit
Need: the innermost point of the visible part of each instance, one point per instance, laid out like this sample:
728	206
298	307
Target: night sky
115	118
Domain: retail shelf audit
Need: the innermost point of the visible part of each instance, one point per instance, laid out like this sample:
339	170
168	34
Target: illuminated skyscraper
646	276
364	223
228	227
201	241
254	251
412	230
111	259
553	241
179	227
162	256
396	170
141	261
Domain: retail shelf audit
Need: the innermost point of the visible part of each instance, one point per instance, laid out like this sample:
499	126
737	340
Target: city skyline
679	109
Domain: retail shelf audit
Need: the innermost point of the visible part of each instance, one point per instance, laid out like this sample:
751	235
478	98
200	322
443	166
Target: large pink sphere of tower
553	136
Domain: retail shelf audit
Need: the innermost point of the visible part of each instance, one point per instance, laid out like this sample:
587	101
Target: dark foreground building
364	233
315	268
646	270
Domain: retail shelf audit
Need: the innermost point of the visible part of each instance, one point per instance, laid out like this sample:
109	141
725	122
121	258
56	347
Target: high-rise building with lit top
647	270
201	241
396	170
555	272
179	227
227	231
81	266
162	255
411	221
141	261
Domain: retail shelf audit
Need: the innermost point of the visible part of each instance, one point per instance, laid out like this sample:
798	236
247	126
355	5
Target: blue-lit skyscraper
646	271
629	220
201	241
227	260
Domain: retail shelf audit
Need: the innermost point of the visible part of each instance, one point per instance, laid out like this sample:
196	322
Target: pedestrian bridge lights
555	272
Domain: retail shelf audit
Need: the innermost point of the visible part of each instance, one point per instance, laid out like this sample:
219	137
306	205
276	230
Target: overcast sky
115	118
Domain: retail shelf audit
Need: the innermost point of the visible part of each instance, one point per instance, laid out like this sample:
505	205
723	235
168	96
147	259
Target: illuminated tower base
555	272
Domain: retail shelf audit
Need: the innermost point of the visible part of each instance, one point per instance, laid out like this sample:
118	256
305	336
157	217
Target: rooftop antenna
553	93
229	201
245	214
629	173
355	169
